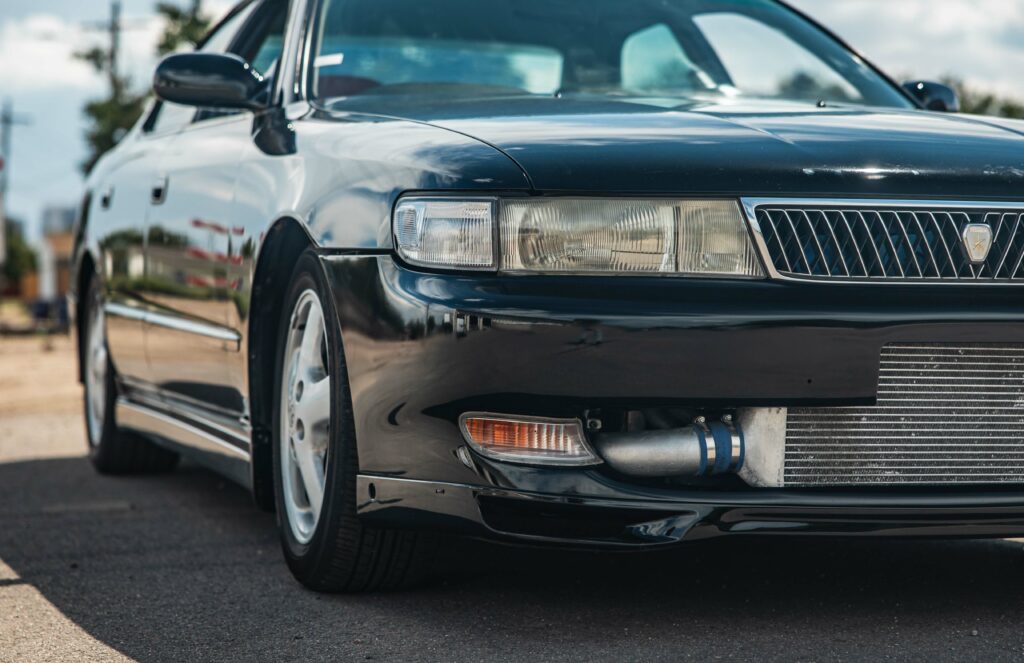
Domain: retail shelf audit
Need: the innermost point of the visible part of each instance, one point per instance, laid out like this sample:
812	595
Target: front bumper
423	348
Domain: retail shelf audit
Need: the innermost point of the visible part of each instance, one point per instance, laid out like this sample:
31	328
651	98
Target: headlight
446	233
578	236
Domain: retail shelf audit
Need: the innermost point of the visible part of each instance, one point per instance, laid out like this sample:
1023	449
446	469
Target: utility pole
107	59
8	120
115	42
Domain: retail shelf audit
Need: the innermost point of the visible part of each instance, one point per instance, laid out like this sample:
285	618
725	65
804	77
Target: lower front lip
654	518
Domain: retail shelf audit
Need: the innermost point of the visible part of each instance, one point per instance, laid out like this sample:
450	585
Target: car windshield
647	48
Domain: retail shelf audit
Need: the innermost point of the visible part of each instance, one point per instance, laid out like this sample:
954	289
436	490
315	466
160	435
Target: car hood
764	148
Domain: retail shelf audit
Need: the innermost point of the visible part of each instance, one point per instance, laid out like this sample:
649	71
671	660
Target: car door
118	211
192	252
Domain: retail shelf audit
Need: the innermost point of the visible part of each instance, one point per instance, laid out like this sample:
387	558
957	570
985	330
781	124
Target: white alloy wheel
305	416
96	364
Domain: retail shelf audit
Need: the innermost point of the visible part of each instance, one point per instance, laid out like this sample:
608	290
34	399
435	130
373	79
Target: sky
980	41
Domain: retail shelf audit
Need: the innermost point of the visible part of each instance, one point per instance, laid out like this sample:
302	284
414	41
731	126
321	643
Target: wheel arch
280	250
86	270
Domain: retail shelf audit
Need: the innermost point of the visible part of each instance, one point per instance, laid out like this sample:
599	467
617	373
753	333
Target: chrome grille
880	241
945	415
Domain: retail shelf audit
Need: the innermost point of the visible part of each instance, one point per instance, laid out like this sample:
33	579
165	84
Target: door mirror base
934	96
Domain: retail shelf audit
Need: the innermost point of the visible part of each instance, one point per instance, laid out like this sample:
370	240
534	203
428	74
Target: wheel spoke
96	372
312	336
306	414
314	407
311	471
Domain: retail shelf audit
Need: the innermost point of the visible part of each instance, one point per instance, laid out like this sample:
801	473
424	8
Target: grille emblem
978	241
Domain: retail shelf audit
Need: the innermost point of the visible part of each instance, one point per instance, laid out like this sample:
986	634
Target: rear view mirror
209	80
934	96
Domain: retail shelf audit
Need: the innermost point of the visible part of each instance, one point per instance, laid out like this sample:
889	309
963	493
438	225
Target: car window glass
361	50
172	117
792	73
685	49
652	59
265	55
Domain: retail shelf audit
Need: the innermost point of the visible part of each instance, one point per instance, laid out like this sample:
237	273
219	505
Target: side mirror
209	80
934	96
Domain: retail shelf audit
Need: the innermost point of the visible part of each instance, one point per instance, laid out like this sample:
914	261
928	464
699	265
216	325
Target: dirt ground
38	374
39	392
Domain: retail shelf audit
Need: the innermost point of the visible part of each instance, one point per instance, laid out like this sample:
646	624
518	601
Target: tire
328	549
111	450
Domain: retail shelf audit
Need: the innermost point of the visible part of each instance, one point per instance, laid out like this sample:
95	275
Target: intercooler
945	415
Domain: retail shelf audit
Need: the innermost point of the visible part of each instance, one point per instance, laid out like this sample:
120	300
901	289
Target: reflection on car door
195	250
186	255
119	207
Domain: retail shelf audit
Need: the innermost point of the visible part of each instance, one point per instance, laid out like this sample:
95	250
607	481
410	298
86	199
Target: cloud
36	53
979	41
39	73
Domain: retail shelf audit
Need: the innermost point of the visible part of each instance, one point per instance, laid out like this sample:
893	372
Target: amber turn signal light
529	440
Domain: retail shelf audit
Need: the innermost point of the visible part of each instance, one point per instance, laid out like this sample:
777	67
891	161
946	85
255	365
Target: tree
985	103
185	27
109	120
21	259
113	116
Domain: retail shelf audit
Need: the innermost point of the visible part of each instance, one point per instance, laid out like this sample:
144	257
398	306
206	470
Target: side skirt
223	453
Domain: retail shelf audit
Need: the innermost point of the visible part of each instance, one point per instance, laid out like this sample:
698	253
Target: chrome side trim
173	322
148	421
205	412
192	327
126	312
750	205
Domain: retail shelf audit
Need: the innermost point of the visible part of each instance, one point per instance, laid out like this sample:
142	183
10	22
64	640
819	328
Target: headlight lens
588	236
579	236
446	233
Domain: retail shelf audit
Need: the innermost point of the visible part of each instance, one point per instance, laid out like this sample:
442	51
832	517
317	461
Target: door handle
159	193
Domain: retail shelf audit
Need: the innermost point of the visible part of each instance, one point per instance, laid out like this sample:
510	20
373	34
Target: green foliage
109	120
160	236
21	259
113	116
984	103
803	85
184	26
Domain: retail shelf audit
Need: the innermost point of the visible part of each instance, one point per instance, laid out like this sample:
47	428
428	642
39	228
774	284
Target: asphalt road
183	568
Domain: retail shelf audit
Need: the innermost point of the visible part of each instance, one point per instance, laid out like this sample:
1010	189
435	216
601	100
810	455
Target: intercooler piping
703	449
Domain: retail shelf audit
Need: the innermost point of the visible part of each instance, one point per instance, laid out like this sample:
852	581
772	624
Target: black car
575	272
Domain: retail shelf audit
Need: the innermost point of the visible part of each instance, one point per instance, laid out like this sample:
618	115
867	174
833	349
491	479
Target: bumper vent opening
564	521
946	415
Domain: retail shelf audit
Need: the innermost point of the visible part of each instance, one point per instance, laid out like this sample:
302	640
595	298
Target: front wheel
315	459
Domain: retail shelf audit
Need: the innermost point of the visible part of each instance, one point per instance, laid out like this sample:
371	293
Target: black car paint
550	345
592	145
